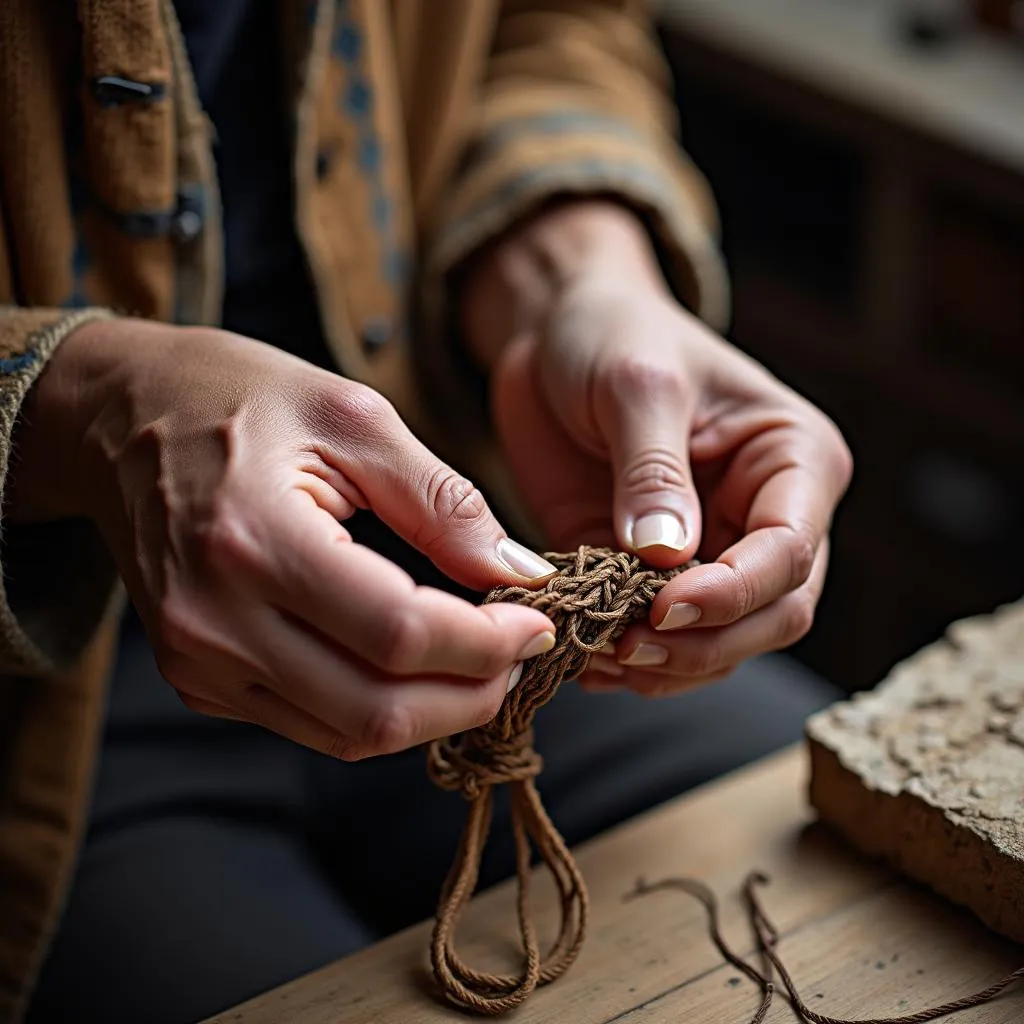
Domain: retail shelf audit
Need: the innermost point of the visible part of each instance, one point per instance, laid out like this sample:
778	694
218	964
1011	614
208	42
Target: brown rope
767	936
595	596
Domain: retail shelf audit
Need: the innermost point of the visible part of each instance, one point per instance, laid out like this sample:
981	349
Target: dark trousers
221	860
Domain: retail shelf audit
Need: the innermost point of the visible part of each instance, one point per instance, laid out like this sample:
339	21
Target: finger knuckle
228	543
390	726
179	631
655	470
362	409
491	662
633	378
842	459
802	549
797	620
744	595
838	457
703	659
455	503
403	644
486	711
486	661
454	500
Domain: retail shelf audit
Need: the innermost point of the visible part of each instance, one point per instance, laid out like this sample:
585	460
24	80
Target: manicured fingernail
514	676
522	561
678	615
599	663
658	530
645	655
540	644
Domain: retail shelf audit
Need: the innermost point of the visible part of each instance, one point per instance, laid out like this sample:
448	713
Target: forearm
513	285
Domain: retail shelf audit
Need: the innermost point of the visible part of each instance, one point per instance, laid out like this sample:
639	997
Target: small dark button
188	216
187	225
183	222
112	91
376	333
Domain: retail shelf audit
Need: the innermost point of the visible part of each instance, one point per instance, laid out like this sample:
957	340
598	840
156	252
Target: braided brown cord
699	891
768	940
595	596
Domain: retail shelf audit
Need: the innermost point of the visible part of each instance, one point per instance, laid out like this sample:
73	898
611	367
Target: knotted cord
595	596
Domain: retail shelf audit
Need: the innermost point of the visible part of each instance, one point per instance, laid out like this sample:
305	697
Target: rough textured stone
927	770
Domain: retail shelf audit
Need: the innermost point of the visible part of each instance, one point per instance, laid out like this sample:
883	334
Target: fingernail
540	644
658	530
678	615
514	676
599	663
522	561
645	655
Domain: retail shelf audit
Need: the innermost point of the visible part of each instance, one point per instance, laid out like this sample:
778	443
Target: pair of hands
220	472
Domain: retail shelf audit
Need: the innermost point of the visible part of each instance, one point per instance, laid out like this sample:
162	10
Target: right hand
219	470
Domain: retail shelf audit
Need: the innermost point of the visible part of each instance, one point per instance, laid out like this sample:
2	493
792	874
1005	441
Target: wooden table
859	941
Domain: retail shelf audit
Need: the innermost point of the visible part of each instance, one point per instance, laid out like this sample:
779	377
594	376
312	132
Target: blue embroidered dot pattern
81	257
348	46
358	97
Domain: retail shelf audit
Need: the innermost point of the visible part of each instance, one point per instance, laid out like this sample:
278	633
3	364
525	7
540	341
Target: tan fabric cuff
57	578
525	161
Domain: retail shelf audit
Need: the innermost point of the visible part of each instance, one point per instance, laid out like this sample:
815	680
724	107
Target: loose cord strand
767	937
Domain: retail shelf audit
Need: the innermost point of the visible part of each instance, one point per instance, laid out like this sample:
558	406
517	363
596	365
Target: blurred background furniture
868	161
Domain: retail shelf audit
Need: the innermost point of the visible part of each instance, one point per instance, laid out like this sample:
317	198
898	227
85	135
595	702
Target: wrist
524	275
56	465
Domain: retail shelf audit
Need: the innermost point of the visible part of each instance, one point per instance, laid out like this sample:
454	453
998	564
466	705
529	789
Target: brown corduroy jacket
420	130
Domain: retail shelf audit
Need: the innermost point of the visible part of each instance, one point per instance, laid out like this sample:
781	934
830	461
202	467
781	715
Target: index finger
374	609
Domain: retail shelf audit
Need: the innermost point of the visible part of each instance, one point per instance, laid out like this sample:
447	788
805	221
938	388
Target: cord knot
475	759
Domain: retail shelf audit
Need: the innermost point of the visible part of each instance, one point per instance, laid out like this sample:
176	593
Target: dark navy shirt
234	48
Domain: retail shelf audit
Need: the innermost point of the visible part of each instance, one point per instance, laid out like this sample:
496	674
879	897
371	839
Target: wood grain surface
859	941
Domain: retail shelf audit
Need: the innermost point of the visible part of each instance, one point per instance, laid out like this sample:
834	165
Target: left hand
627	422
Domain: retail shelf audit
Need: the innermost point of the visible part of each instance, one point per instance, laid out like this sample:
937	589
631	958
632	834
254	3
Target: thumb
656	510
441	513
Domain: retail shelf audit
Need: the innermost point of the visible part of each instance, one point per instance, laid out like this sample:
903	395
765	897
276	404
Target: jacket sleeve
57	579
576	99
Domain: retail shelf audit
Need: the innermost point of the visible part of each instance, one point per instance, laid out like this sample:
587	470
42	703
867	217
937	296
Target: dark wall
882	275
